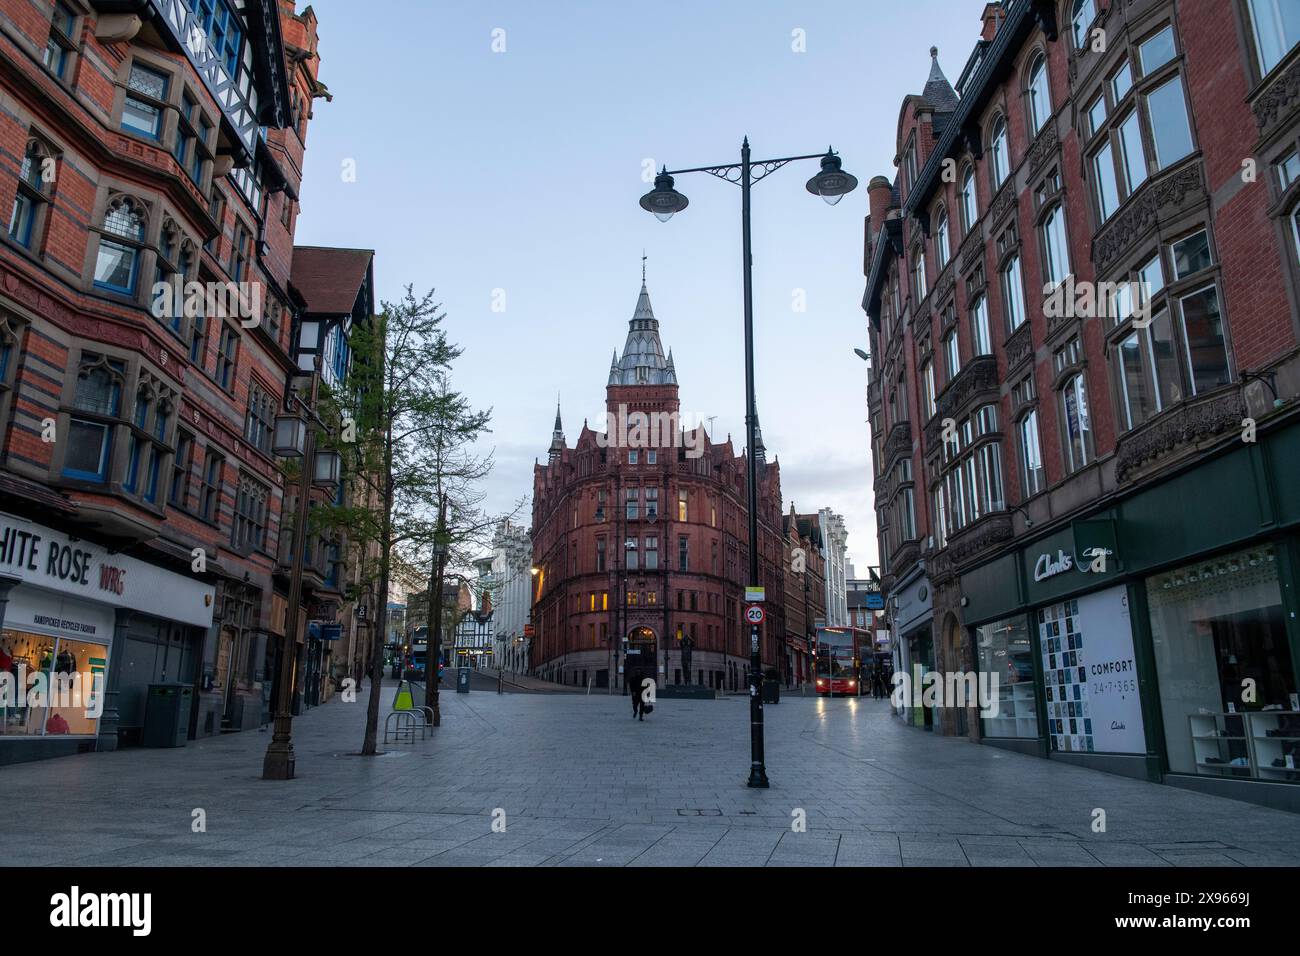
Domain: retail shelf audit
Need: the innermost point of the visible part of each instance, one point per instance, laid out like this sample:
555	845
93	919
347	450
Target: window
652	503
1121	82
918	273
600	505
651	456
1139	399
1103	164
62	42
8	348
1055	253
683	553
191	139
632	504
633	456
1032	477
1084	12
210	488
998	148
1171	133
175	265
927	391
198	339
969	213
600	555
148	443
1097	114
1040	98
940	519
30	198
1276	25
1156	51
248	530
1288	169
146	98
239	253
1013	294
652	553
683	512
1207	353
1191	254
227	350
1077	426
952	355
179	491
979	326
117	266
259	424
941	242
96	409
1134	165
630	560
222	27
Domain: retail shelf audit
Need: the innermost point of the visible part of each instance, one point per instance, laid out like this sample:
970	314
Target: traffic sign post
755	614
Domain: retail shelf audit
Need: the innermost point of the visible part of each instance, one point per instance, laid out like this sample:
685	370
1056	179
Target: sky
499	150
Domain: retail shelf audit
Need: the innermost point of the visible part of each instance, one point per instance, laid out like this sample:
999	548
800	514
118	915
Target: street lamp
862	355
295	438
832	184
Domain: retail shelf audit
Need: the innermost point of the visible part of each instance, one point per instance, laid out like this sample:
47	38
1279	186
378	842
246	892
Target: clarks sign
1047	566
49	559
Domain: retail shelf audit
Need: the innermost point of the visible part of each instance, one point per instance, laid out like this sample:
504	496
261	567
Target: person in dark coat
635	682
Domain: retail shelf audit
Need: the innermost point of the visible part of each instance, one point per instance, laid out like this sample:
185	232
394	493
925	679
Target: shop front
1157	637
912	636
83	632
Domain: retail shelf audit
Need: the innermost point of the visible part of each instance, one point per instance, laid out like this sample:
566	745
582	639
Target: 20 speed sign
755	614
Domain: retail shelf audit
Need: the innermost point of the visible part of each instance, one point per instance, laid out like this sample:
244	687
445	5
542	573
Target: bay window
1033	479
1013	294
1056	255
96	411
31	198
117	265
952	355
1276	27
1171	132
981	341
146	99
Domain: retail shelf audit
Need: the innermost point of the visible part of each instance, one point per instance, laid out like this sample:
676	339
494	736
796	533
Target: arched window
969	213
1000	160
1085	11
117	266
941	240
1040	97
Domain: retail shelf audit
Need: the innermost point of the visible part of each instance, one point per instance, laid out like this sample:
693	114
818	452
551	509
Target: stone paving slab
577	783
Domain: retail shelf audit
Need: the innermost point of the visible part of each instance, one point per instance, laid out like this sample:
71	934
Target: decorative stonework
1277	102
972	249
1179	431
980	376
897	444
943	288
979	537
1043	149
906	556
1019	346
1157	200
1003	203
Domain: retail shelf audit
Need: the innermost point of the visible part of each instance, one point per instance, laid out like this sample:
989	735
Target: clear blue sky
521	170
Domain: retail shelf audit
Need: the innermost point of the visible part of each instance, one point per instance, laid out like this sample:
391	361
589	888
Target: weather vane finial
643	267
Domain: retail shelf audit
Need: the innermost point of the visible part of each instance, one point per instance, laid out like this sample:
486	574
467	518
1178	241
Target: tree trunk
369	746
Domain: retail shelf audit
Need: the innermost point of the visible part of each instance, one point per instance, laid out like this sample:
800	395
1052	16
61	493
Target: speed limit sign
755	614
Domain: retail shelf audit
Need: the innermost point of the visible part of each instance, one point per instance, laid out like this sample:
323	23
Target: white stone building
835	551
509	582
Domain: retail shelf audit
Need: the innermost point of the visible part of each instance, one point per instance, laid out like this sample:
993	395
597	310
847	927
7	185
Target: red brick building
159	141
805	593
639	535
1068	487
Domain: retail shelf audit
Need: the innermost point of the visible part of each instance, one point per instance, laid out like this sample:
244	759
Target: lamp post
832	184
296	438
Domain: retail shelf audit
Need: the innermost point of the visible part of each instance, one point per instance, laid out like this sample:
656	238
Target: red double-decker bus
838	657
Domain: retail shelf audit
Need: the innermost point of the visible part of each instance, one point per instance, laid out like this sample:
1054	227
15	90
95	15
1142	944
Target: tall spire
557	436
643	361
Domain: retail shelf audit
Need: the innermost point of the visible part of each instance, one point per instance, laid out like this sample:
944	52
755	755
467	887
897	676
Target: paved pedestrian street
576	782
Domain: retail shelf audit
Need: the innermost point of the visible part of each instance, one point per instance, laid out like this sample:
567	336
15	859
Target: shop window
1006	650
31	200
1276	28
146	99
1216	625
79	666
96	412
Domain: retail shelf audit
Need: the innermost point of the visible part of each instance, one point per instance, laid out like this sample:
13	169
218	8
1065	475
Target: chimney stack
992	17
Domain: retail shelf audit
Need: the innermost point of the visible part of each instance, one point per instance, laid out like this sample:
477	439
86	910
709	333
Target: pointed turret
938	91
557	436
643	361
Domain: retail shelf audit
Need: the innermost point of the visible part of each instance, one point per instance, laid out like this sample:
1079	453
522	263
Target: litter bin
771	687
167	715
462	680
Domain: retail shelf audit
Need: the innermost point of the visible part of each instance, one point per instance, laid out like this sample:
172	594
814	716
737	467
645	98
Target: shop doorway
920	647
954	659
